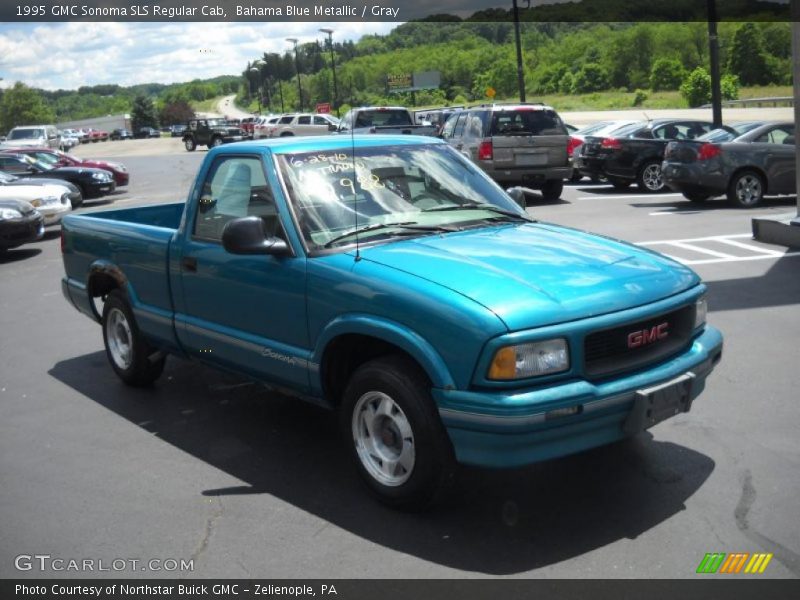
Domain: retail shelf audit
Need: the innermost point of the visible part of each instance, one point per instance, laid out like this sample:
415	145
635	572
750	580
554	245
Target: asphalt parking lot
211	468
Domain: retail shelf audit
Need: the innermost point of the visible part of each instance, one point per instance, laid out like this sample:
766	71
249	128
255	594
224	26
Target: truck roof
289	145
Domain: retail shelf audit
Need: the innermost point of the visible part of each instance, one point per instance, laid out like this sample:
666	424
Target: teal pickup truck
388	278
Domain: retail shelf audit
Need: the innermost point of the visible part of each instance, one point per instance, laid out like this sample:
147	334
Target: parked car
92	182
32	135
516	144
745	169
121	134
147	132
177	130
600	129
299	124
50	200
264	126
20	223
441	322
57	158
95	135
211	133
74	194
76	133
380	119
66	141
634	153
246	125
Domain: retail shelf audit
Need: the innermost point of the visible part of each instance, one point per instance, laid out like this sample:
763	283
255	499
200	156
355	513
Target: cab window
234	187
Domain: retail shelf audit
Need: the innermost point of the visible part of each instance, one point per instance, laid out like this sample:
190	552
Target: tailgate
530	151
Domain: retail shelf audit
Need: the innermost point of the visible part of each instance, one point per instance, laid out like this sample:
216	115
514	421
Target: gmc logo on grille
643	337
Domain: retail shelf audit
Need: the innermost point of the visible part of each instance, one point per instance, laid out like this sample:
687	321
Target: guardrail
770	101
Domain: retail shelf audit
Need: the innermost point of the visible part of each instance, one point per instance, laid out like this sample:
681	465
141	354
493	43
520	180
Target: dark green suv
516	144
211	133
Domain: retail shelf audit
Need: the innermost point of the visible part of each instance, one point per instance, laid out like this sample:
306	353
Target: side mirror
789	139
331	127
518	195
246	235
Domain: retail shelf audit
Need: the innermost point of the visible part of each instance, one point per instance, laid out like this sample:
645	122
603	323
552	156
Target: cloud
70	55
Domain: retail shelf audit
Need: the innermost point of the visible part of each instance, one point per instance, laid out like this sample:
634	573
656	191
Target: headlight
101	176
701	310
9	213
530	360
37	202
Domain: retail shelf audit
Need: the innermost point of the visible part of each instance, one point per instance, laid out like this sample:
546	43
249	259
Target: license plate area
531	160
658	403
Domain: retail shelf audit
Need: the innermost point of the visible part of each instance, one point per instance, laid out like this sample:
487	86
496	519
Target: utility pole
520	70
297	68
713	52
333	68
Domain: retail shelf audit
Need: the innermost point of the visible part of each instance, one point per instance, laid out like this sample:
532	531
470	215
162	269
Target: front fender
389	331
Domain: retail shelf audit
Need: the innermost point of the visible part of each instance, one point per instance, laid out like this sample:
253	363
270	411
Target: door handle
189	263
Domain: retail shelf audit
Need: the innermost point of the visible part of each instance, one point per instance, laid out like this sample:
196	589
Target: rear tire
551	190
650	179
393	431
132	358
746	189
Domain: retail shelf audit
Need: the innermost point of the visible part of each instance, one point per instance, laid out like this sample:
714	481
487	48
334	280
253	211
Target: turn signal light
611	144
572	144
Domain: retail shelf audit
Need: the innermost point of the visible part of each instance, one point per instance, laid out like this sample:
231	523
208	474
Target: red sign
324	108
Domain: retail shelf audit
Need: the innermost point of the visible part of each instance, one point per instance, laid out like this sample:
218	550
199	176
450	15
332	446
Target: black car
121	134
92	183
634	153
20	223
147	132
759	162
177	130
75	196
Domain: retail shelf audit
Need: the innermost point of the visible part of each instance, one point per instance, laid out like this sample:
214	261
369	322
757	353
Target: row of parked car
39	185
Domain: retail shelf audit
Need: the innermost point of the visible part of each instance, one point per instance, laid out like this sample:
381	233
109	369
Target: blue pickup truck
388	278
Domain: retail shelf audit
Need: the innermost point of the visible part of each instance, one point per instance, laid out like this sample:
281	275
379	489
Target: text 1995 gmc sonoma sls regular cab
388	278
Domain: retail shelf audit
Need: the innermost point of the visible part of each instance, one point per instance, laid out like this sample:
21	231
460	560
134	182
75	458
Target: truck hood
532	275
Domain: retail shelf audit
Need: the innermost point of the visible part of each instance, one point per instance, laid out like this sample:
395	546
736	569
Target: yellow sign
490	93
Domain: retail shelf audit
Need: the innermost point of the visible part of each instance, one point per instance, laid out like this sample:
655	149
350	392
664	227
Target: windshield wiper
481	206
407	227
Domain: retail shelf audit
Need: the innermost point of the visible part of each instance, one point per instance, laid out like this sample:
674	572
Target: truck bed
132	245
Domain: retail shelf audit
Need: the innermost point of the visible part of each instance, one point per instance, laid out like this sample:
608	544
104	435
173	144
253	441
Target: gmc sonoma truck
388	278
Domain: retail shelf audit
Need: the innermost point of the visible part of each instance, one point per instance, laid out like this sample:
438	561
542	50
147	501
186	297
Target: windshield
26	134
42	166
527	122
417	188
383	117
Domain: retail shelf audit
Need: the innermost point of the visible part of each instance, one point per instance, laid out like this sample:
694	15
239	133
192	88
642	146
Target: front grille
609	352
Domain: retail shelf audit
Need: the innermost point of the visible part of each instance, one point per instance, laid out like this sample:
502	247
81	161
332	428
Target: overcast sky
69	55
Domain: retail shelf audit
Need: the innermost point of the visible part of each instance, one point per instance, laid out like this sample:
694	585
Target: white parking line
695	245
622	197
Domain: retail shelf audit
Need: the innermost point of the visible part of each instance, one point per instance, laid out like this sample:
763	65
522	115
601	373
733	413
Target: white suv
304	124
39	136
262	126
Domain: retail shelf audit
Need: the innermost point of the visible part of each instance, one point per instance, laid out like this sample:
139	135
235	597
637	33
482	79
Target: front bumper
99	188
14	233
53	213
526	429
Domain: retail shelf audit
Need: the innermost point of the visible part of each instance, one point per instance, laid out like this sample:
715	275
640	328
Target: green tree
143	113
22	105
666	74
748	59
729	87
175	113
696	88
590	78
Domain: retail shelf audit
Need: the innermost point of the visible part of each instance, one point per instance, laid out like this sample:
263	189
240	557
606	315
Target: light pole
297	68
713	52
257	71
520	71
333	68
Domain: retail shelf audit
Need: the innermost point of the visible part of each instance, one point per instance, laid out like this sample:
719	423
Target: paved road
209	467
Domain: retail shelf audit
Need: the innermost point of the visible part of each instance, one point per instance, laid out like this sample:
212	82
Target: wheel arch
349	342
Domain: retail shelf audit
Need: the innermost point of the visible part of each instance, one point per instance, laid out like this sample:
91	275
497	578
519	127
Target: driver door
245	312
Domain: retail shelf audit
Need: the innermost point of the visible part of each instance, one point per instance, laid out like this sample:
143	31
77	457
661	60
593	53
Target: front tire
650	179
217	141
132	358
746	189
394	434
190	144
